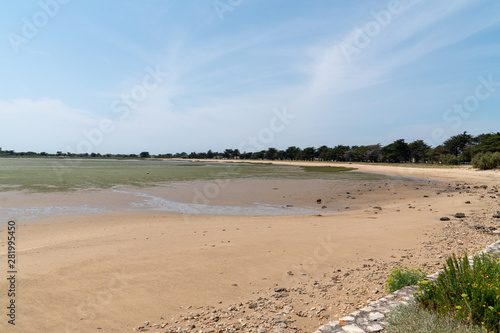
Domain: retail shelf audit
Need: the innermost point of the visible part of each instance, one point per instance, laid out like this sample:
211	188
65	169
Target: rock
459	215
279	289
318	201
375	328
444	218
280	295
252	306
282	330
352	329
496	216
374	316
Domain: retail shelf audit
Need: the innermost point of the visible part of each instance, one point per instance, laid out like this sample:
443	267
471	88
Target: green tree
457	144
144	154
271	154
419	150
308	154
487	143
396	152
339	153
321	153
292	153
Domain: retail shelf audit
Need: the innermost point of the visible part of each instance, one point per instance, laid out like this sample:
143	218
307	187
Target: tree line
461	148
458	149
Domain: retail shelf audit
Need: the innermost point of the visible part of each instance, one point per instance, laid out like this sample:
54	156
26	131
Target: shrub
412	318
450	159
486	161
470	293
400	278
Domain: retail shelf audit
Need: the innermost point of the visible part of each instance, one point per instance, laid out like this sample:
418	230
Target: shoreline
118	270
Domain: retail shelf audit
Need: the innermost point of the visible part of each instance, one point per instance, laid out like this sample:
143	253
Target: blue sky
170	76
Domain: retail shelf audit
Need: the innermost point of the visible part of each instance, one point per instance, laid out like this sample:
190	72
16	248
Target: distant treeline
462	148
12	153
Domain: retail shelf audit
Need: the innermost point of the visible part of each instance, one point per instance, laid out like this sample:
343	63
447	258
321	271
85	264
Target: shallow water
41	188
139	201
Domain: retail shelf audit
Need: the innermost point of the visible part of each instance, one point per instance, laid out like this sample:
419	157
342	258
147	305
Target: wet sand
112	272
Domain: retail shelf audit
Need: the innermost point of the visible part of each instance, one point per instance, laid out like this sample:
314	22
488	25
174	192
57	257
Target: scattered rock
280	295
444	218
459	215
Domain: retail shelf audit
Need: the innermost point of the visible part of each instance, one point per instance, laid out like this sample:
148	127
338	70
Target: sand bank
112	272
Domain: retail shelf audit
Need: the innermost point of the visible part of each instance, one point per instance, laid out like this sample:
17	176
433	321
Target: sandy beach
130	271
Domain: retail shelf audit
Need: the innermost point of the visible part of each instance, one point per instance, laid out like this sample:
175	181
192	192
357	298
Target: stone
374	316
282	330
375	328
444	218
459	215
352	329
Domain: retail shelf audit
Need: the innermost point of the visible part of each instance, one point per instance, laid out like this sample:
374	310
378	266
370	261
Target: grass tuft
412	318
402	277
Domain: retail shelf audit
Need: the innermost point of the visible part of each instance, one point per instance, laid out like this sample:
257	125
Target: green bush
470	293
412	318
450	159
400	278
486	161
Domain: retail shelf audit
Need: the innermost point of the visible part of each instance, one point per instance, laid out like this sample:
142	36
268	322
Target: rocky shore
305	301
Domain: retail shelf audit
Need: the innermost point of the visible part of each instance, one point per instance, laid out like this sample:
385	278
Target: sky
167	76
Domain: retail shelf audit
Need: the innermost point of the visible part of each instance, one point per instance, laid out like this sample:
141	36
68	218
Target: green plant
402	277
450	159
468	292
412	318
486	161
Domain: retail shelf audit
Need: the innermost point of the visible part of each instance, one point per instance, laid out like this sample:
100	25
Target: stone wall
373	317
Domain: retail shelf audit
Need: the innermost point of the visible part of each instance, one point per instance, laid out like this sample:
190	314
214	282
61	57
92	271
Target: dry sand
113	272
